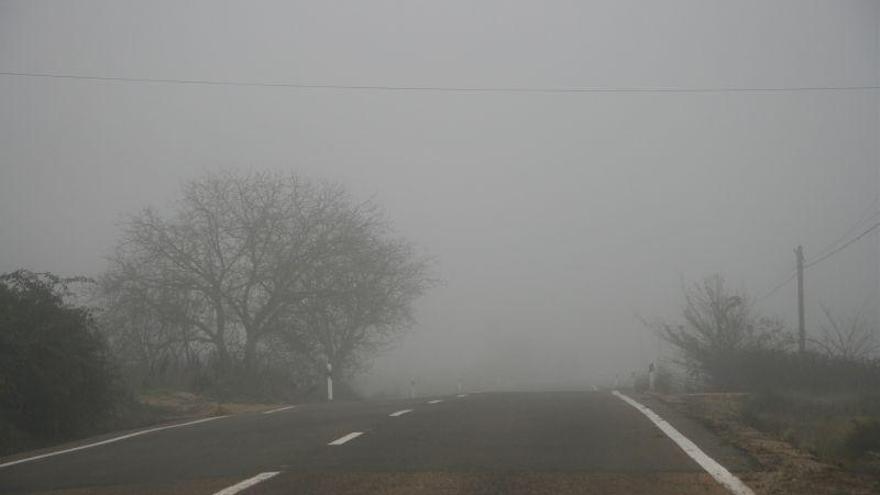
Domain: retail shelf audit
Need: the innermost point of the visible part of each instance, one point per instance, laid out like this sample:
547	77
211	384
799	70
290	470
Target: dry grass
786	467
840	428
185	405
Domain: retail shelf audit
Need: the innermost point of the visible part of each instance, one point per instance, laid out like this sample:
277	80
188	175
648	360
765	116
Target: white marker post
329	381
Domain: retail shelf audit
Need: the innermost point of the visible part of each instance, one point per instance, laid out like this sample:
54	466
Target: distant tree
718	331
56	378
243	261
380	280
851	339
148	328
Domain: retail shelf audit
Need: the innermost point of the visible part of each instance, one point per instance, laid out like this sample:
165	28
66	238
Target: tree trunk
250	353
222	354
220	338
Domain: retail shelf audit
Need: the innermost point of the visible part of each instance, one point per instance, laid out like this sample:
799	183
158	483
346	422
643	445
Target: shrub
834	425
55	373
721	336
864	437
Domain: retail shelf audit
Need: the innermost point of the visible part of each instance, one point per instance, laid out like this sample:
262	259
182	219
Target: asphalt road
546	442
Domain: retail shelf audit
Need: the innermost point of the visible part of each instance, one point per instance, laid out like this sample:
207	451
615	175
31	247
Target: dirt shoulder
783	469
171	406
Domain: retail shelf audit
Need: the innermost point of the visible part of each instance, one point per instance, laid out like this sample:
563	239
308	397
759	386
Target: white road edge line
244	485
109	440
435	401
273	411
346	438
400	413
720	473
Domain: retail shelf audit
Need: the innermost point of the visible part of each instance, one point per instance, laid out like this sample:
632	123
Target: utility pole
802	333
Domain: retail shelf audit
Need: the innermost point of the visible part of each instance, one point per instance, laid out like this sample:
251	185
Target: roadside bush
55	373
776	370
664	380
720	339
834	425
825	400
864	437
640	382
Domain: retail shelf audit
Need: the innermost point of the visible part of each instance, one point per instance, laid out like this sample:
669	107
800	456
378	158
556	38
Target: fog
556	218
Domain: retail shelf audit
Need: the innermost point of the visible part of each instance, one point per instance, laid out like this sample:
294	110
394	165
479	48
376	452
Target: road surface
504	443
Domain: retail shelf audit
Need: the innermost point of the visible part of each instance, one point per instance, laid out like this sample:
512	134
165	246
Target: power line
842	247
777	287
862	220
830	249
849	232
443	89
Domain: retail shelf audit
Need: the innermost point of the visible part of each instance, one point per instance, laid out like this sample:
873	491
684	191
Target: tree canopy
246	267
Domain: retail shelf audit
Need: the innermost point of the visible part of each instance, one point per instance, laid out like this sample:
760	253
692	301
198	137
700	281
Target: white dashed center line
400	413
272	411
346	438
461	395
435	401
244	485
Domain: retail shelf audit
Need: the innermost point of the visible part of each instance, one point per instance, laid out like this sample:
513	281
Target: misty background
555	218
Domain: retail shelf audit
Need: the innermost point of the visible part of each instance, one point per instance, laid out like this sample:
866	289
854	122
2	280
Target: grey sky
554	217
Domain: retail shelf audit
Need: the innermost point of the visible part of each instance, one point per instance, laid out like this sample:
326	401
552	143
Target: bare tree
147	327
246	257
718	326
851	339
381	279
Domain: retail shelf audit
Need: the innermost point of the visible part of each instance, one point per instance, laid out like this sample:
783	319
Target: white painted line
105	442
435	401
244	485
273	411
461	395
346	438
720	473
400	413
595	388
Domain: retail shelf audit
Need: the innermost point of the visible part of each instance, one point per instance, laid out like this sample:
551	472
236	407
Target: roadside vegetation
250	285
56	375
247	289
825	400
